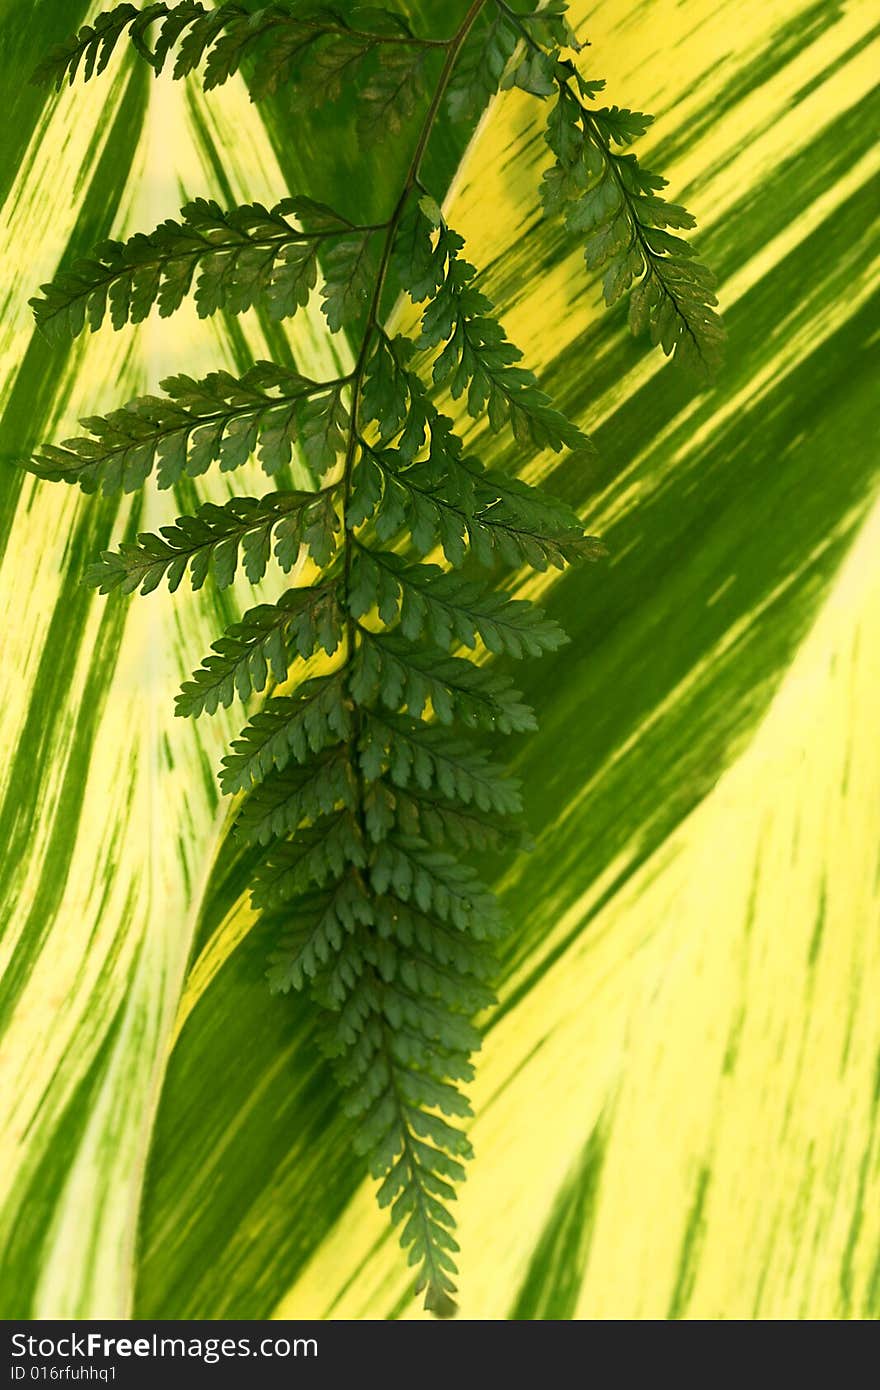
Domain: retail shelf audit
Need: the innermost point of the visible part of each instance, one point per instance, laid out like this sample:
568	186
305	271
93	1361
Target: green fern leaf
284	800
608	198
477	360
390	97
235	259
319	854
209	542
436	502
349	274
420	755
483	64
323	921
405	677
90	50
448	609
288	728
435	819
219	418
360	788
264	643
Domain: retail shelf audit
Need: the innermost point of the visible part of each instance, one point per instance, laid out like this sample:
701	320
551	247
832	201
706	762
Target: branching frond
610	199
218	418
415	754
477	360
209	542
446	609
402	676
232	260
264	643
365	780
289	728
283	801
313	44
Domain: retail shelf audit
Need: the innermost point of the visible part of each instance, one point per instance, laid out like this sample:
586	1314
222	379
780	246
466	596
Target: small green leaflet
610	200
233	260
445	608
219	418
476	360
289	727
316	48
265	643
210	541
422	755
389	669
284	800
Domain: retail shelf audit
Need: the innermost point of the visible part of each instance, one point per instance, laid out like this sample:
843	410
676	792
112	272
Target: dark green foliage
476	357
449	500
359	776
220	418
236	259
288	728
444	608
483	64
402	675
210	541
608	198
349	276
316	47
266	641
415	754
281	803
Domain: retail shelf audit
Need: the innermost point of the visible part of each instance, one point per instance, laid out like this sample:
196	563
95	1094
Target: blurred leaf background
677	1101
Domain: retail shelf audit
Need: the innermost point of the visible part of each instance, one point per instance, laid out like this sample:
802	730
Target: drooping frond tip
607	197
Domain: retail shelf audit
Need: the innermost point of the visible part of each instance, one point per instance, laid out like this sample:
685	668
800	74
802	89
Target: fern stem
453	49
435	1298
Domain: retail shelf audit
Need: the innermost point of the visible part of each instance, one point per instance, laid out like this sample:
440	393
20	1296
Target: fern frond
400	1083
437	819
361	783
435	502
392	94
449	610
284	800
608	197
476	359
322	853
218	418
483	64
316	48
435	881
265	642
323	918
233	259
421	755
89	50
288	728
209	543
405	677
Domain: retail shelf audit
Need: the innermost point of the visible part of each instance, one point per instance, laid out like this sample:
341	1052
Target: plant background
677	1101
